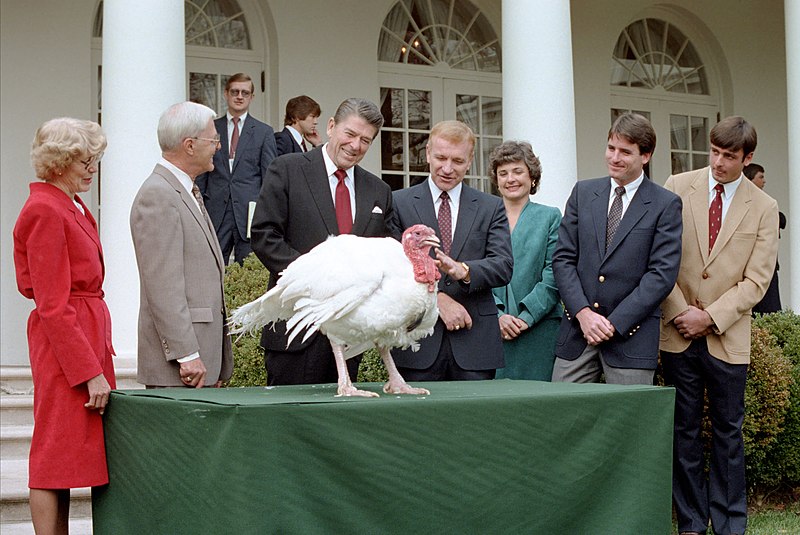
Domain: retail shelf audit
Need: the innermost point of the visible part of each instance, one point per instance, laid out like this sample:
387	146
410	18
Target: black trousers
445	368
229	238
310	366
722	497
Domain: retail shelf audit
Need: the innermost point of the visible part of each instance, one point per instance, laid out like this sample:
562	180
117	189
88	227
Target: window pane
392	107
680	162
391	151
203	89
679	132
700	134
467	111
419	109
416	152
699	160
395	181
492	117
416	179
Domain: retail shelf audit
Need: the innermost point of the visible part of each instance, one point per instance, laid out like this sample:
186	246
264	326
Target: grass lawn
768	521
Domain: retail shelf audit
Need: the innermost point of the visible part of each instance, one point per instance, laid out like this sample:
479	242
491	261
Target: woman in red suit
59	264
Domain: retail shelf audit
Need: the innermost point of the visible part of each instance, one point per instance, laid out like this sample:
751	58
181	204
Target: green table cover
494	457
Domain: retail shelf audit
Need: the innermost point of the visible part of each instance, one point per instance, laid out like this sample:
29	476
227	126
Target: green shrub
781	462
244	284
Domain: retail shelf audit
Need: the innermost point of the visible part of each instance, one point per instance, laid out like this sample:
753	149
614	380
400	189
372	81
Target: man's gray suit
626	283
182	310
482	240
294	213
227	192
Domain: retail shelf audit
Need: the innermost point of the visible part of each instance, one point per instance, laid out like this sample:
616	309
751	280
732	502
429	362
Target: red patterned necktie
715	216
445	222
344	214
234	138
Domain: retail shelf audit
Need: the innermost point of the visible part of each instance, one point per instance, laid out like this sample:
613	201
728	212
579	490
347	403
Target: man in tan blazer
183	336
730	242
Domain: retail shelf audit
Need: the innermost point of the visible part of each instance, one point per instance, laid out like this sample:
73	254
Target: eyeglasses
92	161
236	92
214	140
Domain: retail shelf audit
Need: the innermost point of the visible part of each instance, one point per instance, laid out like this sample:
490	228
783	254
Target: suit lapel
316	178
423	205
599	208
364	197
698	204
467	212
740	205
191	205
636	210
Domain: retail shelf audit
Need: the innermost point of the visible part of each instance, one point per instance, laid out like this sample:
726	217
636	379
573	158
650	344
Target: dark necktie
614	215
303	144
199	198
344	214
234	138
446	222
715	216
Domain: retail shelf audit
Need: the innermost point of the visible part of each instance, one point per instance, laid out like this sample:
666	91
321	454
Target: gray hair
363	108
60	142
181	121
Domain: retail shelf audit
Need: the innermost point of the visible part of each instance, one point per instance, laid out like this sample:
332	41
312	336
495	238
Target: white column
538	93
143	73
792	14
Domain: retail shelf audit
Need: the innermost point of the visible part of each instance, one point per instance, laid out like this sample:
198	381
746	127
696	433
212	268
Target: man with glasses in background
248	147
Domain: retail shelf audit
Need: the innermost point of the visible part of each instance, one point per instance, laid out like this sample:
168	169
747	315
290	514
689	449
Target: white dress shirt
349	181
455	200
727	195
627	197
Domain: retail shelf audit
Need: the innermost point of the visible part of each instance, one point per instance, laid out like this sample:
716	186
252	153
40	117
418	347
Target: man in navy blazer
466	342
299	132
296	211
613	272
236	179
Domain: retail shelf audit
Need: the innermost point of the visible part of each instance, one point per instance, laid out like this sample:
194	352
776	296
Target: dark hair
734	133
240	77
361	107
298	108
752	169
516	151
637	130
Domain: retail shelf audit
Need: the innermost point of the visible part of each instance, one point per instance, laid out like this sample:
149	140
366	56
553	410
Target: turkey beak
431	241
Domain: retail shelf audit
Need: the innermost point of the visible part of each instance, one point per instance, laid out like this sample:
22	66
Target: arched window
438	59
657	71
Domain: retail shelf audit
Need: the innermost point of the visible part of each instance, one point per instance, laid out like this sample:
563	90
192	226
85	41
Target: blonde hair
454	132
59	142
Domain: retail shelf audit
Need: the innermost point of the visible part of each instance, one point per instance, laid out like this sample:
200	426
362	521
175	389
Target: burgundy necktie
445	222
715	216
344	215
234	138
303	144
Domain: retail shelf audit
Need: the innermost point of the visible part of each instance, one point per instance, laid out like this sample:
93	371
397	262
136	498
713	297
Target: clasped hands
511	326
694	322
596	327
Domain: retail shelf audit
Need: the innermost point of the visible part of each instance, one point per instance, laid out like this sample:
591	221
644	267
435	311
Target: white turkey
359	292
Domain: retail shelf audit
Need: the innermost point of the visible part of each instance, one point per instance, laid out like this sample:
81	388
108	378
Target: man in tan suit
730	242
183	337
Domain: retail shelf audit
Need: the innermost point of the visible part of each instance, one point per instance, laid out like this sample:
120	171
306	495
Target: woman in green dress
529	309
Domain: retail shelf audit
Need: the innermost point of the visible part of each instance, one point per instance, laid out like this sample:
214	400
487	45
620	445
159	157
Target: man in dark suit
617	258
307	197
475	257
730	245
248	147
300	126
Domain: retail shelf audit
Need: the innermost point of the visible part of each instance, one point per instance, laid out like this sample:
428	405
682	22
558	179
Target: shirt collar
185	180
454	193
631	187
242	118
295	134
730	187
330	167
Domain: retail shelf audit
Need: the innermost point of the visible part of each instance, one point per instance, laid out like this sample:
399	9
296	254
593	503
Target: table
495	457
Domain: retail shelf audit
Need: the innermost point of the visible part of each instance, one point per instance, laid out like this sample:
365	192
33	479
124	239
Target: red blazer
59	264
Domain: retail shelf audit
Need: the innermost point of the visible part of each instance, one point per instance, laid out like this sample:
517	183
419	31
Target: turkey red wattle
417	243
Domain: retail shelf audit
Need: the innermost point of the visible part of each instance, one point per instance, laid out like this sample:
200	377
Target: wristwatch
466	277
